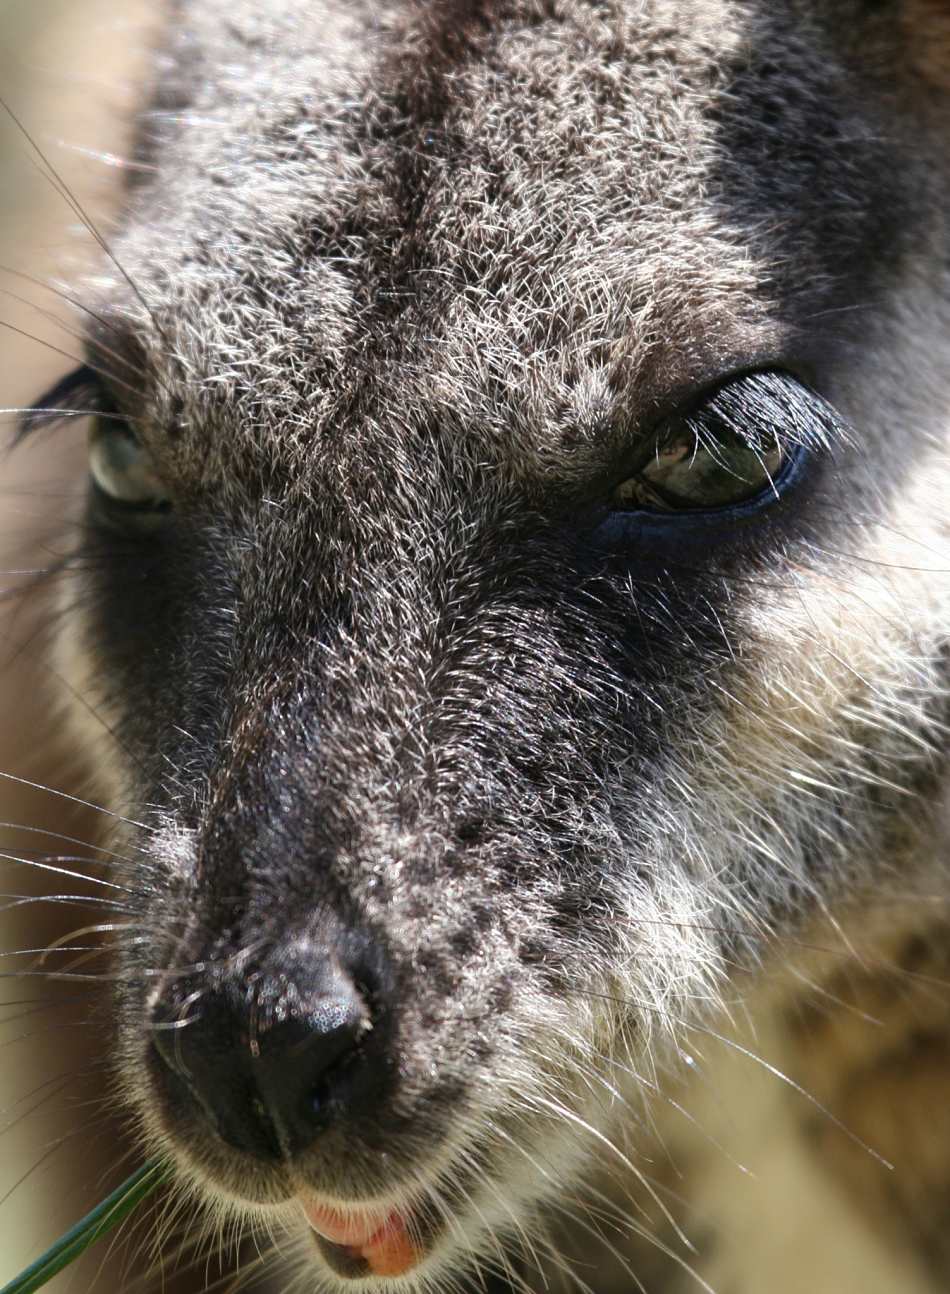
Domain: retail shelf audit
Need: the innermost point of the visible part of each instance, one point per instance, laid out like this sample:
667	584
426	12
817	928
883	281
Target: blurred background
69	70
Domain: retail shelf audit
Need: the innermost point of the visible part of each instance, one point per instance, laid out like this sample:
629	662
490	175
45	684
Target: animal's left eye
736	449
122	473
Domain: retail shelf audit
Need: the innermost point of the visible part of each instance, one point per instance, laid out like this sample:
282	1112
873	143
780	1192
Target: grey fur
403	286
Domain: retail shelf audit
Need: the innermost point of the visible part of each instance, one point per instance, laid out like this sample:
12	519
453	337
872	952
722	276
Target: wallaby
510	617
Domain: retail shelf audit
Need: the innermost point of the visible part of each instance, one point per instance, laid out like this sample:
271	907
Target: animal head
510	571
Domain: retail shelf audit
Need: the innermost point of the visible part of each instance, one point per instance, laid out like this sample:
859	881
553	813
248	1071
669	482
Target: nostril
321	1103
266	1063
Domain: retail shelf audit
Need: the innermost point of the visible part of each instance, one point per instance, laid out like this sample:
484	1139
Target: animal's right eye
748	445
122	475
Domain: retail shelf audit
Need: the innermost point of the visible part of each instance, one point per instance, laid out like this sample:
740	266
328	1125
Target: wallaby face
520	592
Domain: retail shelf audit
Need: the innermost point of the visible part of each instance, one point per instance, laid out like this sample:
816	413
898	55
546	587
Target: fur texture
400	293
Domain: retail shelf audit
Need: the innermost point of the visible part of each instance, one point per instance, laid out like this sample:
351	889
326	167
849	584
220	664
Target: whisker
66	900
73	799
43	1160
61	1079
37	1006
105	928
55	179
70	840
95	714
49	866
108	351
58	350
61	294
790	1082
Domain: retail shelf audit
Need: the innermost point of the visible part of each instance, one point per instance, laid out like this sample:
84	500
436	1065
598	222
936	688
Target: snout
268	1058
333	1048
288	1065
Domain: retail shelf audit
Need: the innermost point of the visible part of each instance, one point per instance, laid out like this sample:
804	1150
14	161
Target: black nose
265	1058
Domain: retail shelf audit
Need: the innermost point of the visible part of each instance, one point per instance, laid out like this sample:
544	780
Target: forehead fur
539	222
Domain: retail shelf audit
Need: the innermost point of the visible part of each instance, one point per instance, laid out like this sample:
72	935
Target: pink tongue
346	1228
382	1240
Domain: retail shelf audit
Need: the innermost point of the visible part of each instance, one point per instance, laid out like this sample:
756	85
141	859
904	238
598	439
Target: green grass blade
91	1228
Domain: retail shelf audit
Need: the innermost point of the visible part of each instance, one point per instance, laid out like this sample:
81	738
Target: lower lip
361	1244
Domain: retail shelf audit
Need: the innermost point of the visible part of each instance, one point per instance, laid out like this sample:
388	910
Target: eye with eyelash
126	489
691	469
735	453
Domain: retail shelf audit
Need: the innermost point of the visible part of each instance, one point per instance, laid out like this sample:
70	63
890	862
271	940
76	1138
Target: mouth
365	1242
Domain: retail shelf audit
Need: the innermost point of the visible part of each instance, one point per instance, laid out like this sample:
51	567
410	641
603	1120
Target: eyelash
78	394
777	409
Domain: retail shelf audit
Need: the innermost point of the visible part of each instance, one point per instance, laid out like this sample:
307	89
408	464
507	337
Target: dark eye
736	449
122	474
692	468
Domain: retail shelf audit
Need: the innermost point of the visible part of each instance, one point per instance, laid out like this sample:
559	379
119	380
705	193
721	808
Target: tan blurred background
68	70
